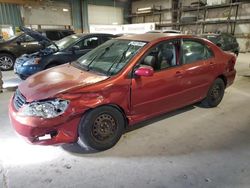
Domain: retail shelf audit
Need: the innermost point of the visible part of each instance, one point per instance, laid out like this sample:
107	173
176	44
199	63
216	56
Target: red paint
140	98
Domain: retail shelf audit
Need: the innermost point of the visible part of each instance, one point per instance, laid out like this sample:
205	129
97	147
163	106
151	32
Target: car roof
148	37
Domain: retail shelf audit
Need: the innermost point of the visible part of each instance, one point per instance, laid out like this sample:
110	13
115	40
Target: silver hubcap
216	93
6	62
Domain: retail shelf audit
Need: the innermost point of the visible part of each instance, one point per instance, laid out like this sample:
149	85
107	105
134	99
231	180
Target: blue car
60	52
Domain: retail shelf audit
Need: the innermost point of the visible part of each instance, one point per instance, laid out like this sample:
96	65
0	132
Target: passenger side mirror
144	70
75	48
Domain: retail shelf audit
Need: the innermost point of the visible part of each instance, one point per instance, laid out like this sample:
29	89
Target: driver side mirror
75	48
147	67
145	70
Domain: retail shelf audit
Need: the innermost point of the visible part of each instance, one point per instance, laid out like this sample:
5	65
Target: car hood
43	40
34	34
28	57
51	82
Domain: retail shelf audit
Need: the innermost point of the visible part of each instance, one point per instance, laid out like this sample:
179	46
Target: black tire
101	128
7	61
215	94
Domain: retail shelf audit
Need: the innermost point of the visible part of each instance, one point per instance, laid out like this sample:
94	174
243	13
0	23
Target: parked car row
60	52
23	43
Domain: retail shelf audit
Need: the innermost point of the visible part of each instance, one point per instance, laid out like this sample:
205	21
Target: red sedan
122	82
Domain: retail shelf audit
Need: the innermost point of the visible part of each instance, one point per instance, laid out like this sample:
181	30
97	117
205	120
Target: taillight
230	65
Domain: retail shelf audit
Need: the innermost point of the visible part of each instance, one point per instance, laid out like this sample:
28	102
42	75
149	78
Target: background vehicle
120	83
56	34
63	51
225	41
25	44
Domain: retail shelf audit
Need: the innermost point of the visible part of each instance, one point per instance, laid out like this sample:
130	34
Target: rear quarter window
193	51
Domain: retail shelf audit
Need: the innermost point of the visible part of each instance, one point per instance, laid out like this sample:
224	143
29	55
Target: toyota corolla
122	82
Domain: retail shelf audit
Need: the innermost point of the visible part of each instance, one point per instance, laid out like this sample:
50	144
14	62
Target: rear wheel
101	128
6	61
215	94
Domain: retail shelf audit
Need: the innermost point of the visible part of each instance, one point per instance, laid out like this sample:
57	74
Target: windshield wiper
105	50
120	60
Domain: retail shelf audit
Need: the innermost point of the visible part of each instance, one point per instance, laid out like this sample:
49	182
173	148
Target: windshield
66	42
110	57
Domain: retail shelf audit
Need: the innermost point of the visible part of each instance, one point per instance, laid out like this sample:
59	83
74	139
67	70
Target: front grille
19	100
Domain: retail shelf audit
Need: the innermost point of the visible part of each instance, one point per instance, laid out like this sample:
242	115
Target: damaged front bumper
42	131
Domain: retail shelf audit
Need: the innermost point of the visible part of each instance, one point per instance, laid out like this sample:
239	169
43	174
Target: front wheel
6	62
215	94
101	128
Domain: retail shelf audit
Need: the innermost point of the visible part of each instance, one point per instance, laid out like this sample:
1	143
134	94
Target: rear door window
193	51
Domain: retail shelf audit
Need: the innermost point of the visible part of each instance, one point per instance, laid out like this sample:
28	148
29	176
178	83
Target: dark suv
25	44
225	41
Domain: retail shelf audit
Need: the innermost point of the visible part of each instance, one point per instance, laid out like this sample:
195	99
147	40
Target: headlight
46	109
32	61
